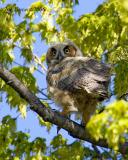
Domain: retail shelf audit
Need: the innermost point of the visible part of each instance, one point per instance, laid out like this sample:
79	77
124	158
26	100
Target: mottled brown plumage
76	83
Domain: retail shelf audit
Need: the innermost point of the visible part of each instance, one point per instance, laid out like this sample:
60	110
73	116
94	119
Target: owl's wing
83	74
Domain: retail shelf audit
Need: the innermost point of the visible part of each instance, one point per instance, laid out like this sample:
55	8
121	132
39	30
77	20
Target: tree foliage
102	34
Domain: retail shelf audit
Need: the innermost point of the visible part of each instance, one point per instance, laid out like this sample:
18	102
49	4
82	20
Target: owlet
76	83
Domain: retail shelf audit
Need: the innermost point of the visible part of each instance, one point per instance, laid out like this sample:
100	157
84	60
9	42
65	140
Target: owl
76	83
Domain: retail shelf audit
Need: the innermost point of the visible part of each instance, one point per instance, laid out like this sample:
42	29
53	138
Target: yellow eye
66	50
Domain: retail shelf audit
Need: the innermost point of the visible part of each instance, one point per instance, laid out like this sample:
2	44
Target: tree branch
74	129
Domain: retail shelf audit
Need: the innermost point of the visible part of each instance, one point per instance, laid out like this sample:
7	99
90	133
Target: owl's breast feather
63	98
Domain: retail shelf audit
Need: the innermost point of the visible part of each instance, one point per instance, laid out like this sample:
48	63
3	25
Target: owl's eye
53	51
66	50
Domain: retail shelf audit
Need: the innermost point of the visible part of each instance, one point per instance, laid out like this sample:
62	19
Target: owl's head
59	51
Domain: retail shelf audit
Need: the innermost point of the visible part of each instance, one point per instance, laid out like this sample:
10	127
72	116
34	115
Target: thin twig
23	66
35	58
40	91
38	61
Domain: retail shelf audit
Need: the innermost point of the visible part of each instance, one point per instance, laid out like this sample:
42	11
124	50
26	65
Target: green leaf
111	124
58	141
3	1
6	54
46	124
27	54
43	58
121	78
13	98
24	75
22	109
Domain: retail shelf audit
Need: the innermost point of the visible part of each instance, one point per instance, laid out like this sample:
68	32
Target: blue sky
30	124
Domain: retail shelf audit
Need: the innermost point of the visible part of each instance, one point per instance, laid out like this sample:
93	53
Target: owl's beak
60	57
